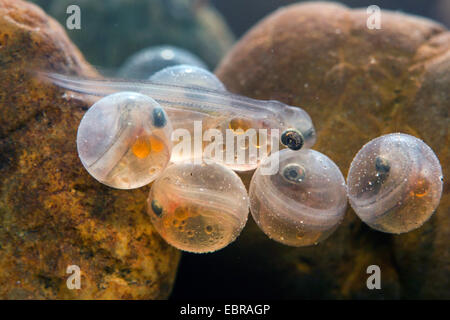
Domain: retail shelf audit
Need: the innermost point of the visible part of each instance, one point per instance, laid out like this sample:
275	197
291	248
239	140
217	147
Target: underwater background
415	66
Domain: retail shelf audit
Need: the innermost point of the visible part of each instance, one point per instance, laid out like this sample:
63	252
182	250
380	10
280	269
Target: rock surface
112	31
52	213
356	84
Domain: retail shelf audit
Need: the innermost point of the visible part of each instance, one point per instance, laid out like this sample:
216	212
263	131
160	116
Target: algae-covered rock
356	84
52	213
111	31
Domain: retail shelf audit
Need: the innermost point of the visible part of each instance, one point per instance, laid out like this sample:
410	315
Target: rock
52	213
356	84
112	31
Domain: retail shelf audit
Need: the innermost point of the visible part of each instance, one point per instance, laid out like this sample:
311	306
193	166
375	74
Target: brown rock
52	213
356	84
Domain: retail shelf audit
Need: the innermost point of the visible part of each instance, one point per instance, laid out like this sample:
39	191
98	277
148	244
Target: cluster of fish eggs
297	198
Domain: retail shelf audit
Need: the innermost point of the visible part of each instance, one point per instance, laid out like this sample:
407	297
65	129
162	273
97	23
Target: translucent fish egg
123	140
198	207
395	183
145	62
188	75
301	201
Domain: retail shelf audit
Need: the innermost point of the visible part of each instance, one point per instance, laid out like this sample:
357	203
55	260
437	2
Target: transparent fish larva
195	77
185	75
182	118
395	183
215	107
124	141
198	207
303	202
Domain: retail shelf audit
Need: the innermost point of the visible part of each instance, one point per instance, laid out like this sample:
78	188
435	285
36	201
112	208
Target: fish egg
187	75
124	141
212	212
302	202
149	60
395	183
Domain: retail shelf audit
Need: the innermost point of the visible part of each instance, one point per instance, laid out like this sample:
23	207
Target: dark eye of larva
159	118
294	173
292	139
382	165
157	209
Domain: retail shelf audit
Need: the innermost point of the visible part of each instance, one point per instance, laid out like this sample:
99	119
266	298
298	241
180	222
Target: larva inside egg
123	140
395	183
198	207
303	202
